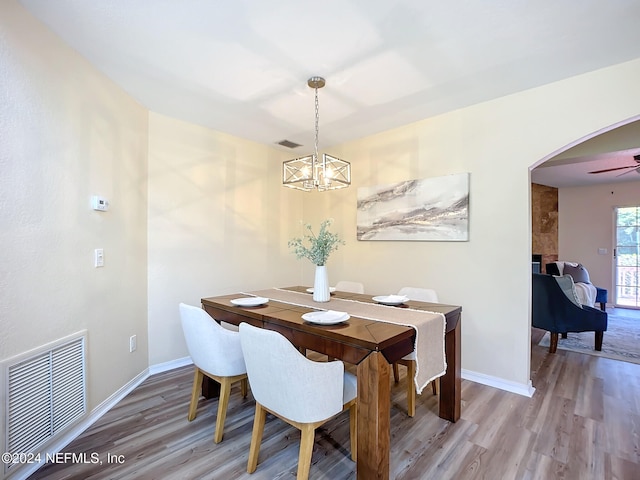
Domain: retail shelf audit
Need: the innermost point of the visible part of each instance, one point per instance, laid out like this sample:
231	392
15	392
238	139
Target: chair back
286	382
353	287
419	294
212	348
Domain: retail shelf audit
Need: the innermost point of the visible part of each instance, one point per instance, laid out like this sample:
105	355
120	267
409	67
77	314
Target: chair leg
223	403
553	344
244	387
396	373
435	384
256	437
353	430
411	388
306	450
195	393
599	338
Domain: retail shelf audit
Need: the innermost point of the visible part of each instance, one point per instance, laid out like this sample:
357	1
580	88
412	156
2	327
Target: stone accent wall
544	223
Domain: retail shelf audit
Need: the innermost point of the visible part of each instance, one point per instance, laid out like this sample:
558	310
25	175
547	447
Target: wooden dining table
372	346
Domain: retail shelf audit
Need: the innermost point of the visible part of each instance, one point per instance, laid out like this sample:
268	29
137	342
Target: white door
627	257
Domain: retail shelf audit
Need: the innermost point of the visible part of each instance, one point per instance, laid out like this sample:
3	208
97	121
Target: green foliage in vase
320	246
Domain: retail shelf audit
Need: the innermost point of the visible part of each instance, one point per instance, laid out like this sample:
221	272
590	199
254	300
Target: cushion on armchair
578	273
552	268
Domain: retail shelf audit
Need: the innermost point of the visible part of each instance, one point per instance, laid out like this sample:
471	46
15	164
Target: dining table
372	346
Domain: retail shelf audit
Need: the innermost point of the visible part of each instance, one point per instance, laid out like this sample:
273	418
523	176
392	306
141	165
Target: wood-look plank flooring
583	422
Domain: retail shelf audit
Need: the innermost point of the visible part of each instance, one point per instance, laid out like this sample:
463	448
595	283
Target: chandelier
309	172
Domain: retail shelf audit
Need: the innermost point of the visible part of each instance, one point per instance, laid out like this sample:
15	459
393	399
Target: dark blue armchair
552	310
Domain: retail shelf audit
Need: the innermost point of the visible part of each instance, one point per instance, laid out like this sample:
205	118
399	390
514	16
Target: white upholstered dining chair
352	287
303	393
409	361
216	353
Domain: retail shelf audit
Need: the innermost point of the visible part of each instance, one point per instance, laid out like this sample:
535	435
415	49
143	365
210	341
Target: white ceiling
241	66
576	172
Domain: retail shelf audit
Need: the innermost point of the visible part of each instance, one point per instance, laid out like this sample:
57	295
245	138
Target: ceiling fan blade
613	169
637	170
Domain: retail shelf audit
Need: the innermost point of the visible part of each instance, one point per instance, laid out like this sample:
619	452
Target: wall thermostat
99	203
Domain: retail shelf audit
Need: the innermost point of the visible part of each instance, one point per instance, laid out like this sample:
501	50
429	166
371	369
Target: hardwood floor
582	423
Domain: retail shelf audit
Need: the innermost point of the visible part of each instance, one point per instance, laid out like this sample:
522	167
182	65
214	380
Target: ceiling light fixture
309	173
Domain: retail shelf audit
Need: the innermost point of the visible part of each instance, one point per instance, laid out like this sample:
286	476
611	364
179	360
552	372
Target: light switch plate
98	257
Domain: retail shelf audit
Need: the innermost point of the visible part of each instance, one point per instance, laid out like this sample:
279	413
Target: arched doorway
591	164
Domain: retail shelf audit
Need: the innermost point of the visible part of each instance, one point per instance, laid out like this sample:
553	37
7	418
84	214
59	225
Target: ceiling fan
635	168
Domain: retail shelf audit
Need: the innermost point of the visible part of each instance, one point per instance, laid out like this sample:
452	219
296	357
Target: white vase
321	285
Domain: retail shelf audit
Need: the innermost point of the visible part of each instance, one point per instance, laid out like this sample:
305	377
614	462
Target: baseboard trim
170	365
526	390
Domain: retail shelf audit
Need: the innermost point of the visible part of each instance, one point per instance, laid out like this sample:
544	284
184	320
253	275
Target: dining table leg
210	388
451	381
373	421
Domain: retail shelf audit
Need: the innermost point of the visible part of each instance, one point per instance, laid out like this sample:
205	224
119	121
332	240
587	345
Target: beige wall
219	222
67	133
587	223
217	219
497	142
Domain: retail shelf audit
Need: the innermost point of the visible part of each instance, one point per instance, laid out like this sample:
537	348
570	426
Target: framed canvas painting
431	209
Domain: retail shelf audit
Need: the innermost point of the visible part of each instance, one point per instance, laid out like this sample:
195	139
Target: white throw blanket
585	291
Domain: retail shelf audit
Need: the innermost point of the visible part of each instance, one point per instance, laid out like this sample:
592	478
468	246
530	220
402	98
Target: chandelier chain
317	122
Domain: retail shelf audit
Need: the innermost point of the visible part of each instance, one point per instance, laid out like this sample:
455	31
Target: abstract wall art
431	209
